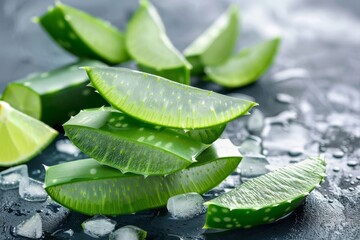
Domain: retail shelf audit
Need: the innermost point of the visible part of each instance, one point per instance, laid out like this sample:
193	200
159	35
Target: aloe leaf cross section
245	67
216	44
84	35
97	189
159	101
54	96
267	198
117	140
149	46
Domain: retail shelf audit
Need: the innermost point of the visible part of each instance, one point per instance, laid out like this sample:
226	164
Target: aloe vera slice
54	96
245	67
122	142
159	101
216	44
267	198
84	35
149	46
97	189
21	136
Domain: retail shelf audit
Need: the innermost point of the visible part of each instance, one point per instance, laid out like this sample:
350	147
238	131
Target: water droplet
351	189
336	169
330	201
358	178
338	153
351	163
295	152
352	183
284	98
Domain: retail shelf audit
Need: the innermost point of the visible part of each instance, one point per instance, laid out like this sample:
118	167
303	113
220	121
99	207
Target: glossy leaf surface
159	101
245	67
97	189
267	198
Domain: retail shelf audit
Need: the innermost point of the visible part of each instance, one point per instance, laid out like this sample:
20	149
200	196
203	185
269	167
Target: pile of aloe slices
154	136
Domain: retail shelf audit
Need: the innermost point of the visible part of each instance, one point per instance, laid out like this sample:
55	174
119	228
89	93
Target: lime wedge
149	46
53	97
245	67
216	44
117	140
162	102
84	35
21	136
97	189
267	198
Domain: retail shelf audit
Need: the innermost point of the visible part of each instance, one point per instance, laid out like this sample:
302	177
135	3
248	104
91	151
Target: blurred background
309	102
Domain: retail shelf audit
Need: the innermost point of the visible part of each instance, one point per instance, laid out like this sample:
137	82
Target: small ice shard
32	190
250	145
253	165
128	232
65	146
10	178
98	226
256	121
185	206
31	228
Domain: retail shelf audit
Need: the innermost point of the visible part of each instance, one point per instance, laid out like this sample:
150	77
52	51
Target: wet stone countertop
309	105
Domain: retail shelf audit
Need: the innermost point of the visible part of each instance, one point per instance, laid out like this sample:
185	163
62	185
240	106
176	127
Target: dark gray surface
321	39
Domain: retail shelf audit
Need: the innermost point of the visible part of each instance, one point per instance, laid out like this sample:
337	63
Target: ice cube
128	232
185	206
65	146
98	226
10	178
31	228
32	190
256	121
253	165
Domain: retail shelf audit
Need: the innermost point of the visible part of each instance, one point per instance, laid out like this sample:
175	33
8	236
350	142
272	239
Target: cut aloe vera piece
54	96
21	136
216	44
122	142
245	67
149	46
267	198
159	101
84	35
97	189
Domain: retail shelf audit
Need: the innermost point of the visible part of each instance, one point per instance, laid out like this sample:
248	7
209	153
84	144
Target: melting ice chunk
128	232
10	178
32	190
185	206
31	228
98	226
253	165
256	121
65	146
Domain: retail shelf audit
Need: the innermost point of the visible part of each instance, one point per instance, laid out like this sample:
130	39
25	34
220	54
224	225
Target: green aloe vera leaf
119	141
267	198
84	35
245	67
149	46
159	101
217	43
54	96
204	135
97	189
